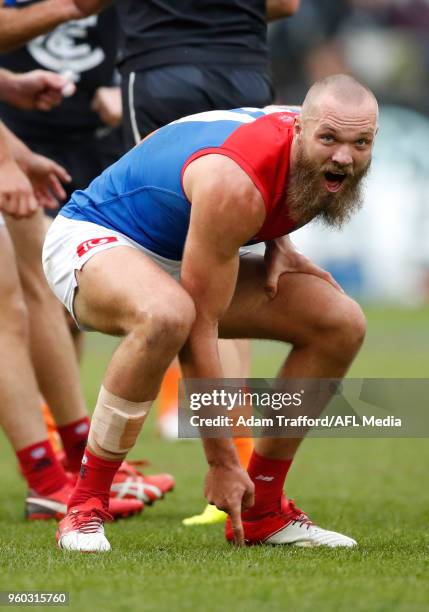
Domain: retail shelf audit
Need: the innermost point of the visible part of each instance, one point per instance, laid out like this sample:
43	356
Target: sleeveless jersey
142	196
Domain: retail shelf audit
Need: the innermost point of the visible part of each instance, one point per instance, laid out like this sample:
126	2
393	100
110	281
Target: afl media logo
86	246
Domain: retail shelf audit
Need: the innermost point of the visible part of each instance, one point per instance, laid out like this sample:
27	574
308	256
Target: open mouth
334	181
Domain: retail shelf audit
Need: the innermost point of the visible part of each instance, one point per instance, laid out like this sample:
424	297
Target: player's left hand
281	257
37	90
46	176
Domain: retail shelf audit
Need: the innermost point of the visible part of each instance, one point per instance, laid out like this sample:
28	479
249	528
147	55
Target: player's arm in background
19	26
226	211
279	9
16	193
44	174
89	7
34	90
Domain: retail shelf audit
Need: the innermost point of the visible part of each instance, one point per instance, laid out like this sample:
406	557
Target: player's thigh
304	308
119	287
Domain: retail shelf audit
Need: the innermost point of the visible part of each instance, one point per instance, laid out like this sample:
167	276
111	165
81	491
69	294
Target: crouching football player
150	252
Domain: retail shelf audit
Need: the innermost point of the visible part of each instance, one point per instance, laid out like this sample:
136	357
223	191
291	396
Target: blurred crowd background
383	254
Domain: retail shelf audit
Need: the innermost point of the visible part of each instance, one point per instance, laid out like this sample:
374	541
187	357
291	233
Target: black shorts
153	98
84	157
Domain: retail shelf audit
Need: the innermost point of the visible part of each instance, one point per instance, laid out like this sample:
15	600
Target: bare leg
235	357
51	346
325	328
20	414
122	292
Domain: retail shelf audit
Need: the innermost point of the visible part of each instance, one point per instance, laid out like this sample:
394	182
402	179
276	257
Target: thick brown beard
307	198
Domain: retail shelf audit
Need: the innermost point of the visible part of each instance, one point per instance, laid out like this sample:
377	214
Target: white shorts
69	244
1	219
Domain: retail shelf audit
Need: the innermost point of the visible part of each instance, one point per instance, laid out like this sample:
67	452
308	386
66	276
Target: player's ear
297	127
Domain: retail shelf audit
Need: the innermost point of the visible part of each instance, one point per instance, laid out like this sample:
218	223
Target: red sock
74	437
95	480
268	476
41	468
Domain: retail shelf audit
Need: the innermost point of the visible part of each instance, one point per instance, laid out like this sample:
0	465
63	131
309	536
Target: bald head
331	150
342	89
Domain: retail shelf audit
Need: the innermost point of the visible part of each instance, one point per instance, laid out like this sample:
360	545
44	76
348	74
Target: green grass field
374	490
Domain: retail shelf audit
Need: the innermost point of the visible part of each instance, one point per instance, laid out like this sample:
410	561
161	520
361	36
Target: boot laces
297	516
90	521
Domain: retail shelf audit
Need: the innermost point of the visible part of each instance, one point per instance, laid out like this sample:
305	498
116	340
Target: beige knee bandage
116	422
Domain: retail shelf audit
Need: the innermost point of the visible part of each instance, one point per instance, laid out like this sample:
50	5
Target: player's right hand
16	193
229	488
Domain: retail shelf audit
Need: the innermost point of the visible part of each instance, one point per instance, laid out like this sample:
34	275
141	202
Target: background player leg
20	414
51	346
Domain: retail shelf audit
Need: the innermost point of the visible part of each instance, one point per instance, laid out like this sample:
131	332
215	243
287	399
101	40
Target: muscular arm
279	9
227	210
19	26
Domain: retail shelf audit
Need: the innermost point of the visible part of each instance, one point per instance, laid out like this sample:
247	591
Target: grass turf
374	490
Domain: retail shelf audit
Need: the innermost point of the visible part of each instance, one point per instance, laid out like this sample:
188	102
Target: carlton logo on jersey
86	246
67	48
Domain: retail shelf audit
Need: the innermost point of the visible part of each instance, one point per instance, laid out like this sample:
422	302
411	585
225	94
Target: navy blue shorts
153	98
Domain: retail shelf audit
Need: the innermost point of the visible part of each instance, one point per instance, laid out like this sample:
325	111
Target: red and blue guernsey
141	195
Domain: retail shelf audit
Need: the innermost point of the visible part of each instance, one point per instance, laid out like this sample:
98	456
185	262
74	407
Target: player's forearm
220	451
211	295
5	147
199	357
279	9
20	152
89	7
6	82
18	26
9	87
